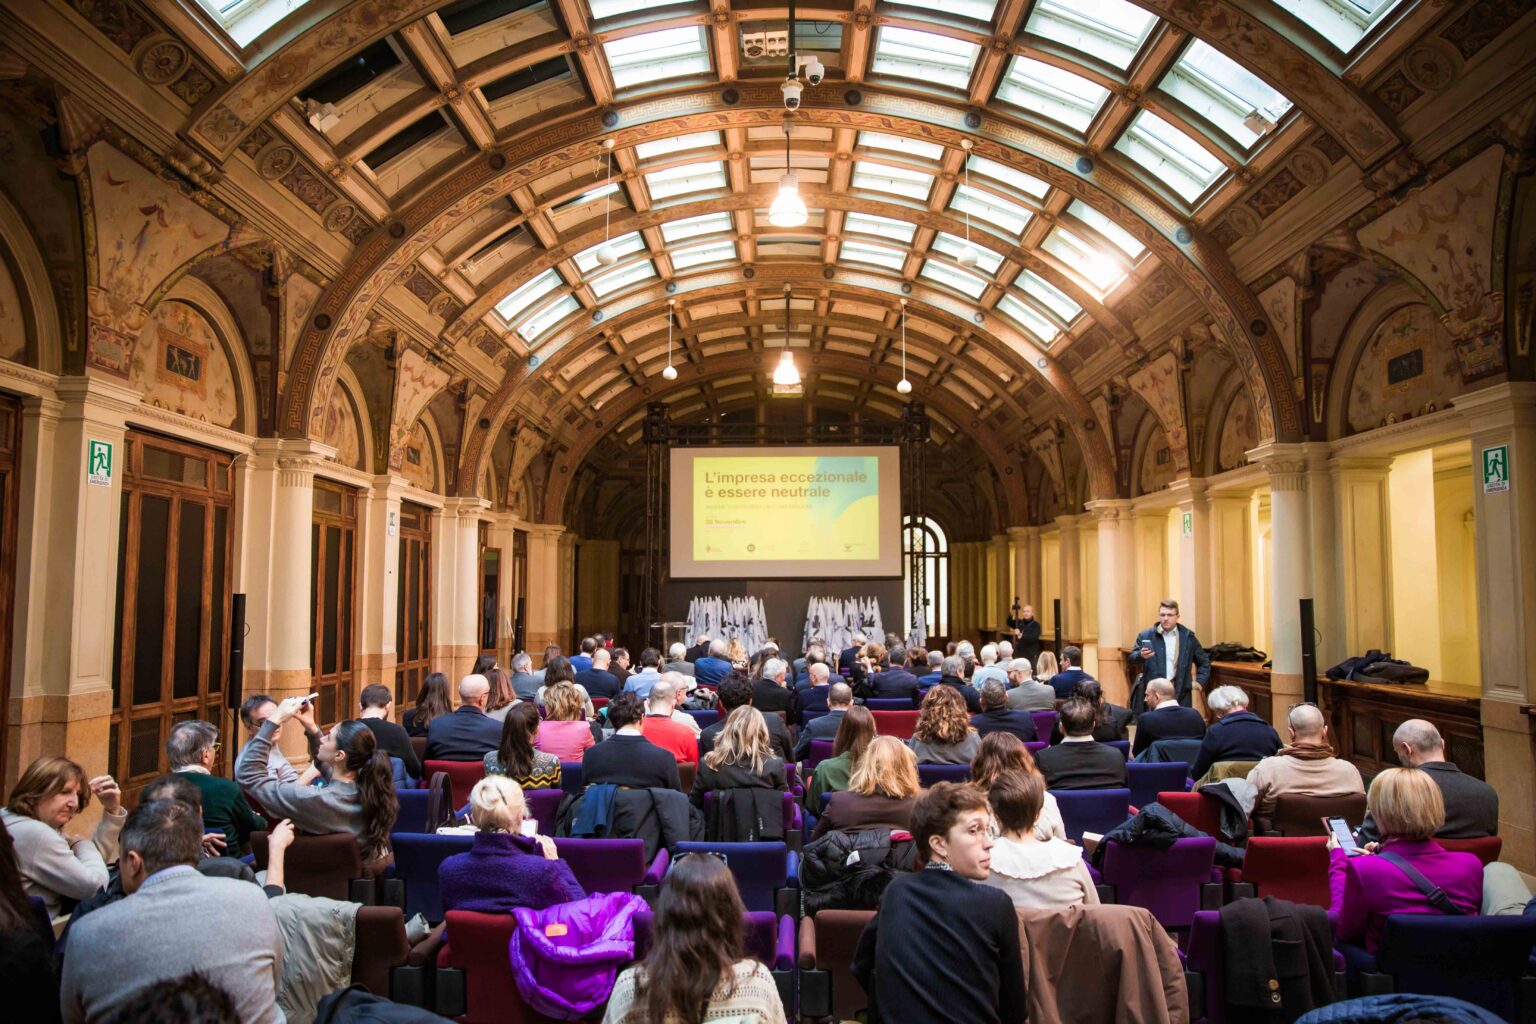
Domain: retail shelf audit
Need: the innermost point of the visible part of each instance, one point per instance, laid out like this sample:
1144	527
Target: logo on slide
751	547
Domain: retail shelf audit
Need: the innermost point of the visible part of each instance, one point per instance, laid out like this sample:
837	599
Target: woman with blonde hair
742	758
1003	752
56	867
854	734
943	734
504	868
880	793
566	733
736	654
1046	667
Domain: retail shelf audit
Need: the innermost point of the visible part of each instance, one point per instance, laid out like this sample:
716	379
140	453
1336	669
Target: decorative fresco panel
180	364
1408	365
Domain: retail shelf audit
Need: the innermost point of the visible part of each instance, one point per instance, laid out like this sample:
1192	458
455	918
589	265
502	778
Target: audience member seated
358	796
56	867
500	697
192	749
174	921
551	652
1165	718
736	691
619	665
1079	761
943	734
917	663
582	660
712	668
1304	767
839	698
813	695
952	677
434	700
468	734
627	758
933	671
649	675
556	671
769	692
1070	675
253	711
989	668
943	947
1237	734
881	790
696	970
1046	668
525	682
1036	874
997	716
882	680
516	757
849	657
736	654
1110	721
966	652
26	961
504	868
1408	809
566	733
1002	753
377	711
483	664
1027	693
854	734
661	729
742	758
682	689
598	681
677	661
1471	805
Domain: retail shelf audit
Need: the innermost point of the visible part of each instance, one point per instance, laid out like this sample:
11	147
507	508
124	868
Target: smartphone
311	698
1339	829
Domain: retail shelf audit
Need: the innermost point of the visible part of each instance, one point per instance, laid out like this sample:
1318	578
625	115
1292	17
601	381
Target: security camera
792	90
815	71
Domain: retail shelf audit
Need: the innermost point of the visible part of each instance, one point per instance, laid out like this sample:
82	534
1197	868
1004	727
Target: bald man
1165	718
1305	766
1471	805
469	733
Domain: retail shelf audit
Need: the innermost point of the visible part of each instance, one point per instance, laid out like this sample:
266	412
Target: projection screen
785	512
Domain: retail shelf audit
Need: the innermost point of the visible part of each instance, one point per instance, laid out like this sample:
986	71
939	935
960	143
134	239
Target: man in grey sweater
173	921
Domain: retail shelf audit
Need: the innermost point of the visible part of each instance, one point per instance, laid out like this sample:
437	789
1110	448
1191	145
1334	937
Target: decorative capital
1286	465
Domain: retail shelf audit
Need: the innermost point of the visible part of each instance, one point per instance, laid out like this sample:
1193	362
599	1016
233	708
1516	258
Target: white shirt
1171	702
1170	651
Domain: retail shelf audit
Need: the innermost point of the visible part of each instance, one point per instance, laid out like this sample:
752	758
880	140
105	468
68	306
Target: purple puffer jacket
568	976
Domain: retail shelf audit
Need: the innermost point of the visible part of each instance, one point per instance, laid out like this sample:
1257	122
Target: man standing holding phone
1170	651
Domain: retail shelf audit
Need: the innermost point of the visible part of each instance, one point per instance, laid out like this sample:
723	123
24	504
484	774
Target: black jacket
811	698
466	735
696	652
1471	805
394	741
632	761
1116	725
662	817
1279	960
356	1005
1167	723
1082	766
834	879
1027	644
890	682
599	682
778	735
823	728
1158	827
971	695
746	816
768	695
1193	664
736	776
1240	736
1004	719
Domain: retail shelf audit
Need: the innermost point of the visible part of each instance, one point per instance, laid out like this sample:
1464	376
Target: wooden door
333	596
413	611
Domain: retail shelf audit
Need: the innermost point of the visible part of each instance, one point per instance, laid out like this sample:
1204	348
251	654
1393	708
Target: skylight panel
676	144
1026	183
895	180
613	8
1342	22
244	20
962	281
1231	97
1026	316
527	293
1111	30
885	227
604	285
1170	155
706	252
692	227
953	247
976	10
1048	295
924	56
685	178
547	317
991	209
657	56
624	245
1100	270
1121	238
607	189
866	252
1047	90
899	144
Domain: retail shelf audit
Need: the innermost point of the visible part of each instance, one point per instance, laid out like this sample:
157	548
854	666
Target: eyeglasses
717	854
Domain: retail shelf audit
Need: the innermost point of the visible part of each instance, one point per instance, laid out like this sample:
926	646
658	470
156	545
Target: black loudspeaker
517	628
1056	618
1308	653
234	685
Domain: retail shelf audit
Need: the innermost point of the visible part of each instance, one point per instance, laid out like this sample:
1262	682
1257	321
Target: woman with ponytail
359	794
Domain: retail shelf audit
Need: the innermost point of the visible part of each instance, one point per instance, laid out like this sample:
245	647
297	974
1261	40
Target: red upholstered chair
1303	815
318	865
895	723
1291	868
686	772
383	961
462	776
827	943
598	703
1486	849
1201	811
474	977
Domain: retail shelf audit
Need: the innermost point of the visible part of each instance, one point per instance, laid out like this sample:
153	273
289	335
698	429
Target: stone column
1003	585
544	589
379	590
1194	591
455	584
1504	417
1115	573
1327	579
1020	538
1290	576
1069	553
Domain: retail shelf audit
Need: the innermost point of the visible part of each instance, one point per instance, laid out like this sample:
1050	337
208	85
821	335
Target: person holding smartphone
1170	651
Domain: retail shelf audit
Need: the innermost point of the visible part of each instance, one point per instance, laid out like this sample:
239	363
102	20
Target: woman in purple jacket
1407	805
504	868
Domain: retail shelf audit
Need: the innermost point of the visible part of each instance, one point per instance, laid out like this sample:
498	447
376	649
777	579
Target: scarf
1308	751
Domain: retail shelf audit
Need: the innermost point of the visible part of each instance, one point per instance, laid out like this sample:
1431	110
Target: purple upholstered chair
1166	882
571	777
1479	959
1045	723
767	874
820	751
1148	780
418	855
1124	746
928	774
412	816
704	718
888	704
1092	810
1035	747
543	806
612	865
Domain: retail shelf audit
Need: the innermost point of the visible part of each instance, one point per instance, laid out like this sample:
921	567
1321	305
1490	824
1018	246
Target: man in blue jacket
1172	652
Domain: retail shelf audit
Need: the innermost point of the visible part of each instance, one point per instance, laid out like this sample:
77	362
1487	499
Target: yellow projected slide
767	508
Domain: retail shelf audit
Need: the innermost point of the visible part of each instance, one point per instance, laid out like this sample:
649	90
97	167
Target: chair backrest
419	747
1186	750
1148	780
790	819
820	751
1303	815
1092	810
380	945
832	943
571	779
397	774
604	865
1485	849
1198	809
412	816
543	806
759	935
315	865
928	774
888	703
1037	746
1166	882
1045	723
705	717
895	723
687	771
1479	959
477	945
418	855
1124	746
1291	868
462	776
759	868
598	703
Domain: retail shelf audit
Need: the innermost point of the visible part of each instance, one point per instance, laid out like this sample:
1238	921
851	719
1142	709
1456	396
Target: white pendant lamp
606	254
786	374
788	209
670	373
904	386
967	256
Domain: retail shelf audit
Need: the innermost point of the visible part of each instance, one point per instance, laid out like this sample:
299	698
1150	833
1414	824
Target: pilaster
543	588
379	585
1113	518
1290	577
1020	538
1229	556
1069	552
1190	564
455	578
1363	512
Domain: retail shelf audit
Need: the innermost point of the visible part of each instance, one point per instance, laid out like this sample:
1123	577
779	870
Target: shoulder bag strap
1432	892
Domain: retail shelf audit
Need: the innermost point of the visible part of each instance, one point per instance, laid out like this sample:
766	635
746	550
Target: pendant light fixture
967	256
788	209
606	254
786	376
670	373
904	386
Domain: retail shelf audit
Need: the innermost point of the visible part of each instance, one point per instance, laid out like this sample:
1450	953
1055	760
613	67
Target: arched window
925	539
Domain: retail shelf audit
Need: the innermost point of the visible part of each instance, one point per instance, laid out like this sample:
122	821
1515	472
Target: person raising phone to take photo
1170	651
